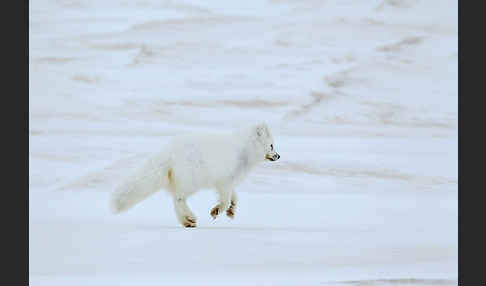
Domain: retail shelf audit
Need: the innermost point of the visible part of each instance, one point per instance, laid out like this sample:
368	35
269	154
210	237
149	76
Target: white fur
192	162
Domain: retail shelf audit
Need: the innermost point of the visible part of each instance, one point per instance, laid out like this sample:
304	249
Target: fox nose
276	156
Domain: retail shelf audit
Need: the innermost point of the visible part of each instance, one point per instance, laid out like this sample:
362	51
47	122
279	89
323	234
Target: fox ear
261	130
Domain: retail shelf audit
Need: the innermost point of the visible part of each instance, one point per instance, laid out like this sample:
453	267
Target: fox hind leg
183	213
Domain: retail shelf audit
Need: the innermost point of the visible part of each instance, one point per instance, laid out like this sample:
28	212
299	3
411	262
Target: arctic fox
192	162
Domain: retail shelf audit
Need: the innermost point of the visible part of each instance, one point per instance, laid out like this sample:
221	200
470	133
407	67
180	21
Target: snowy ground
362	100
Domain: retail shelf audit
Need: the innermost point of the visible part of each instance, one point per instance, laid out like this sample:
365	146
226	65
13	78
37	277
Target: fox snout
273	157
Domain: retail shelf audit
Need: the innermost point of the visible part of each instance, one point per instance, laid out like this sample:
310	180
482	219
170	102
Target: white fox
192	162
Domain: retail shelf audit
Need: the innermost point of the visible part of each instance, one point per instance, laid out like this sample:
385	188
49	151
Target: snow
361	97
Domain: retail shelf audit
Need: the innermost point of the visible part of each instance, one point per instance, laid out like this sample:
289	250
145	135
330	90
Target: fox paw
230	213
215	212
189	221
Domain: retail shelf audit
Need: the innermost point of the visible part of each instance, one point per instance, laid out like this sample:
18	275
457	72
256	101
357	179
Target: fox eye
271	146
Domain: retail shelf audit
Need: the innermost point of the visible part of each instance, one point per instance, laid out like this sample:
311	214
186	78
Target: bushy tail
147	180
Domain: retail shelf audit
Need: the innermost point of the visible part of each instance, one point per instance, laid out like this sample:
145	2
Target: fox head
265	143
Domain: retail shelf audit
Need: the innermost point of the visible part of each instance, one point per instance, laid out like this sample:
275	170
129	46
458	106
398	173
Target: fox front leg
224	198
230	212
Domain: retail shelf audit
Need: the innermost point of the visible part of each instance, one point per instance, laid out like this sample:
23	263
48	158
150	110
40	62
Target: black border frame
15	115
